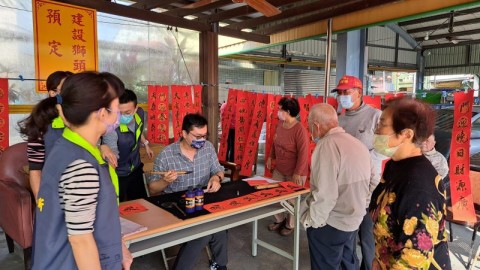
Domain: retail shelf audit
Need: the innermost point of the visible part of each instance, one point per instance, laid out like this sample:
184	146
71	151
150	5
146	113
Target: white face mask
313	138
280	115
380	144
346	101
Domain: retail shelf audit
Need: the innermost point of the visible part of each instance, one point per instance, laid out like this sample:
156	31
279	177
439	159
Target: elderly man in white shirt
339	183
438	161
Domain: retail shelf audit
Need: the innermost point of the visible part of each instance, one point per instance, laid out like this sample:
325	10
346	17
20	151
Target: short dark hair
55	78
413	114
192	120
290	105
128	96
84	93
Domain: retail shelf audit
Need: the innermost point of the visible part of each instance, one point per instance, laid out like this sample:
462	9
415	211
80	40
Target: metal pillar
328	57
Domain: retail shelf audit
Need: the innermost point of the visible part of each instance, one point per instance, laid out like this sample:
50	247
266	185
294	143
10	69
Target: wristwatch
145	143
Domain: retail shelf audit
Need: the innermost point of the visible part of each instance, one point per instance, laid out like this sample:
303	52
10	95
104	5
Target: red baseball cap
347	82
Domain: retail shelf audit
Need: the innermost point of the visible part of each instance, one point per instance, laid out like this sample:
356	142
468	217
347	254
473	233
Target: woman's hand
127	257
297	179
108	155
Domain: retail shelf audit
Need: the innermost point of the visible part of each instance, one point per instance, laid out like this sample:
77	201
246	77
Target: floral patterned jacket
408	211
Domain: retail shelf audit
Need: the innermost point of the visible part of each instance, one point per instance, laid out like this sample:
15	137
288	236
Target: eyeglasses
199	137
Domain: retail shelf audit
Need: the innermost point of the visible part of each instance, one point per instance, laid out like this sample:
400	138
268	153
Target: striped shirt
36	155
78	191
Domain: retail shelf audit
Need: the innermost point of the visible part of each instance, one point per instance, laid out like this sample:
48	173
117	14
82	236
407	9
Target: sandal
285	231
275	225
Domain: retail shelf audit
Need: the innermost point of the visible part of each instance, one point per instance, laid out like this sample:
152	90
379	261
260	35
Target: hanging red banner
333	101
304	103
390	96
240	124
375	101
163	121
460	187
226	120
197	99
158	119
256	123
4	119
271	127
181	95
315	99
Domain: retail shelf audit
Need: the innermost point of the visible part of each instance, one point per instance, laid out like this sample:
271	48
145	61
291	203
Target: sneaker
215	266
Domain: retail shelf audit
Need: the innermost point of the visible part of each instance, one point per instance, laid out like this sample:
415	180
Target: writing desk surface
159	221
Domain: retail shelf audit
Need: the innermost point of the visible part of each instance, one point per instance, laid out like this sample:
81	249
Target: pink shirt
290	150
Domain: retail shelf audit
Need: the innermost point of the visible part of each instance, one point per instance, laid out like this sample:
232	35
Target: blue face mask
198	144
346	101
126	118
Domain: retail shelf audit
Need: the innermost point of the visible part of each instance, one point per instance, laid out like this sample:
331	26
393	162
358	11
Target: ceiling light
427	37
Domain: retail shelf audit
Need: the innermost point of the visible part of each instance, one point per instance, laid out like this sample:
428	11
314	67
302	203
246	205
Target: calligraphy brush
178	172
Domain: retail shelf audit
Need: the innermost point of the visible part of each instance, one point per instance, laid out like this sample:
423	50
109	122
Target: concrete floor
239	250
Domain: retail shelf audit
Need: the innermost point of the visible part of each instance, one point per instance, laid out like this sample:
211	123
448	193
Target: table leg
296	236
254	238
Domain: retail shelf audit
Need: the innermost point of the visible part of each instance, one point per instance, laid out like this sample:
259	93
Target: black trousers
231	145
188	255
132	186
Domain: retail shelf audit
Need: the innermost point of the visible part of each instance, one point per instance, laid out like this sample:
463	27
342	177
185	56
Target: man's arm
324	193
158	183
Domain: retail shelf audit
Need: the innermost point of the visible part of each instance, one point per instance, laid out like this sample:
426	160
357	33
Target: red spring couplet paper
245	105
268	136
460	186
375	101
181	98
256	122
227	116
272	122
197	99
253	183
246	199
396	95
131	208
4	119
158	116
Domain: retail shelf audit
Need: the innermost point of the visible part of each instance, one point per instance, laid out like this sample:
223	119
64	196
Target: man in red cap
360	120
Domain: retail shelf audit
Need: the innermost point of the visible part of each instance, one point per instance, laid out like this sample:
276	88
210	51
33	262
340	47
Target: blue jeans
367	242
331	249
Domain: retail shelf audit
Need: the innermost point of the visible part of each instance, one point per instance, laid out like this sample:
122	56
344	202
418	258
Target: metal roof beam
439	16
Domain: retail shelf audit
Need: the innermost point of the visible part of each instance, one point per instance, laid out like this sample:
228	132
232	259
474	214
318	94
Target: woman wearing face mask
408	206
290	152
77	207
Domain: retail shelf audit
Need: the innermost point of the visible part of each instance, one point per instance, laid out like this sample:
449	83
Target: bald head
324	117
428	144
